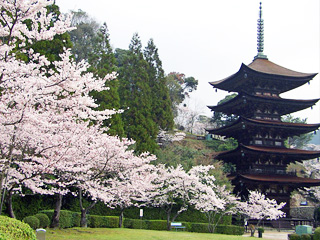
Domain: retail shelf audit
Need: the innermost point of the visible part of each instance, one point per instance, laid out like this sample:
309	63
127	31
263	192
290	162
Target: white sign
141	212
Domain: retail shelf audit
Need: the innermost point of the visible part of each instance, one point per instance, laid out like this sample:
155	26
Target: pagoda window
275	118
275	112
278	144
267	94
258	111
274	95
267	118
258	135
259	142
258	117
258	93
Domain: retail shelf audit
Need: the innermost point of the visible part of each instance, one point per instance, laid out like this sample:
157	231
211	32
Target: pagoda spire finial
260	37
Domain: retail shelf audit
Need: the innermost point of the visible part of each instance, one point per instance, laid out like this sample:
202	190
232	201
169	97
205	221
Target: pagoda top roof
283	179
265	69
268	67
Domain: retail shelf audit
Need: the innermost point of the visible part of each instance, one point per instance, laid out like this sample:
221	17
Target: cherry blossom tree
175	189
47	141
259	207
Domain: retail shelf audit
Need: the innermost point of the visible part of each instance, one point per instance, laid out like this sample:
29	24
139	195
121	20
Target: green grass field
131	234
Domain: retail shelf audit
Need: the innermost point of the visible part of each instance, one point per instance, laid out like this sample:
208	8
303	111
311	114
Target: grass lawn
131	234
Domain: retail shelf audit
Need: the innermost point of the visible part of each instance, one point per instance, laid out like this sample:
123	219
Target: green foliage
33	222
222	119
68	219
135	223
316	234
199	227
30	205
297	141
44	220
103	221
14	229
229	229
161	103
157	224
136	99
306	237
294	236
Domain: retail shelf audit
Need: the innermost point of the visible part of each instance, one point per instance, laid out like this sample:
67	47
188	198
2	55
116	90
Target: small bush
294	236
306	237
316	235
44	220
14	229
32	221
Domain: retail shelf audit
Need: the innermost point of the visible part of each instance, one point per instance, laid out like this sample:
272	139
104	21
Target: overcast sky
209	39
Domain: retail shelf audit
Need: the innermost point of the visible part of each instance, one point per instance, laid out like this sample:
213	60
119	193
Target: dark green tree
136	99
297	141
161	103
92	43
102	61
83	36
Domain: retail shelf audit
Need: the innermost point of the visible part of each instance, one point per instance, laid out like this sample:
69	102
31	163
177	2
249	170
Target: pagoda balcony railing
267	171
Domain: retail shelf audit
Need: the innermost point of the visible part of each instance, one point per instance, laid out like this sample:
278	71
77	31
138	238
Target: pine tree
136	99
161	103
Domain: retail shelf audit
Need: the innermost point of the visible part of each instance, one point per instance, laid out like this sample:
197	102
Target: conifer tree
92	44
102	61
135	98
161	103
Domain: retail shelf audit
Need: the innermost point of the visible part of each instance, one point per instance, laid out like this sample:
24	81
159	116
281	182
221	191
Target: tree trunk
168	221
121	218
9	205
56	213
83	220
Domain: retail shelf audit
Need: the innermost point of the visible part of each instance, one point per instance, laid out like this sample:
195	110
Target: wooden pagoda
261	158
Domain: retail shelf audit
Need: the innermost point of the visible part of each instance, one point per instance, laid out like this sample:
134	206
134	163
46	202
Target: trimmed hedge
33	222
95	221
135	223
14	229
68	219
44	220
294	236
229	229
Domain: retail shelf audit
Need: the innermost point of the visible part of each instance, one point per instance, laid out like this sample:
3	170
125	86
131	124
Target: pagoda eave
278	179
240	102
292	155
243	125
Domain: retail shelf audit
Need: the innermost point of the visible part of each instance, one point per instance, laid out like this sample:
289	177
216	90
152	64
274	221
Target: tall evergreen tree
161	103
136	98
93	44
102	61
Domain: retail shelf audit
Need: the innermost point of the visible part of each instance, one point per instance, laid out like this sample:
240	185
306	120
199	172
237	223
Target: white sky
209	39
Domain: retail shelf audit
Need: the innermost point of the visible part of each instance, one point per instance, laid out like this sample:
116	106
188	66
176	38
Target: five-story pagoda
261	158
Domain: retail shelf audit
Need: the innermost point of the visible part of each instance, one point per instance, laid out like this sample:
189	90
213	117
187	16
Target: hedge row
295	236
70	219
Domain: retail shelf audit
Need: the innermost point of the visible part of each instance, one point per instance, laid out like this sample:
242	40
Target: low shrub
230	229
316	235
14	229
44	220
157	224
33	222
306	237
95	221
294	236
